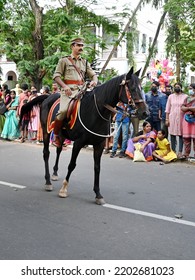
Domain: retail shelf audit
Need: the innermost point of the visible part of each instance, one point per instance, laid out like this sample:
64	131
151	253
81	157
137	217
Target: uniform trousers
64	103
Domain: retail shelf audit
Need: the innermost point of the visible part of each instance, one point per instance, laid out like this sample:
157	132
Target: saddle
71	112
70	118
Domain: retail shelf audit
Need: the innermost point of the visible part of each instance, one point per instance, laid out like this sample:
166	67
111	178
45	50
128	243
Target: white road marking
148	214
124	209
12	185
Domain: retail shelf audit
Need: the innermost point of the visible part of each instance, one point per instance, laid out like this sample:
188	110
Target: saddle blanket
72	111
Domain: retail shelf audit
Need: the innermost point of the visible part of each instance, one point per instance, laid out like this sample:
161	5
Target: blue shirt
119	115
153	102
163	102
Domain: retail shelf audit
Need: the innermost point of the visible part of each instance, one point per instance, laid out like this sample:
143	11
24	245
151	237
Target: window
109	40
10	78
150	41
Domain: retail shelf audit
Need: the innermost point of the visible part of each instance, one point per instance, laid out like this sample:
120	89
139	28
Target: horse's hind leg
98	149
46	153
75	151
54	177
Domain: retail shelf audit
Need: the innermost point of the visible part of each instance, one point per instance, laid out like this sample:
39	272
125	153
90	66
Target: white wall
8	71
148	19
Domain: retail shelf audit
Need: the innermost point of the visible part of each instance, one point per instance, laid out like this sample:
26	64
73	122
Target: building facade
9	73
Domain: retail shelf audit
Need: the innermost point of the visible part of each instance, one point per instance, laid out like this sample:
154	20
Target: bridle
131	101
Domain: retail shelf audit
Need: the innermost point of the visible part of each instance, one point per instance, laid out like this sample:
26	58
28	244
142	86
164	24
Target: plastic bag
138	155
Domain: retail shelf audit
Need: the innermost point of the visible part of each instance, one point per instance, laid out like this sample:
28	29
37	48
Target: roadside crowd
11	102
166	135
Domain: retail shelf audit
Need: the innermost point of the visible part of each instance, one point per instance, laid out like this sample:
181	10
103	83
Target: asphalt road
137	222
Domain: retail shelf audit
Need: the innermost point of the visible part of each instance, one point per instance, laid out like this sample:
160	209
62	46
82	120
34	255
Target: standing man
70	75
55	88
153	102
163	102
121	125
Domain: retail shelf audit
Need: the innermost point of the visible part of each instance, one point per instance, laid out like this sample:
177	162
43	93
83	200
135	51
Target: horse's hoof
64	189
48	188
100	201
63	194
54	177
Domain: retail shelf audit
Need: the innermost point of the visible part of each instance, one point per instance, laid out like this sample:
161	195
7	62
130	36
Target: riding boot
57	126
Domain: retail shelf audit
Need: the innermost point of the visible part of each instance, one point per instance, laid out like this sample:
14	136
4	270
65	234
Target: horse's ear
138	72
129	73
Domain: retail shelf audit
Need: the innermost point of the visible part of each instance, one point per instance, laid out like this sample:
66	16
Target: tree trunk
38	43
37	34
177	55
153	43
121	36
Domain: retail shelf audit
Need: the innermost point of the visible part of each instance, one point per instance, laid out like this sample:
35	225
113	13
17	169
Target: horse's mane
115	83
105	90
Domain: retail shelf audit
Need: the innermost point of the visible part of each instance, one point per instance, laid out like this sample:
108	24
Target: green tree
181	34
35	39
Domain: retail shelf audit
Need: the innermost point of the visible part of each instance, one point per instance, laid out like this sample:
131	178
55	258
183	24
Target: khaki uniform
67	72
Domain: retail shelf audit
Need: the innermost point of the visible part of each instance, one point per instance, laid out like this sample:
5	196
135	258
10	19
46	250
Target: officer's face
77	48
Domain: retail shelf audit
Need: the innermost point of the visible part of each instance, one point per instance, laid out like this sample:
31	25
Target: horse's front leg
98	149
75	151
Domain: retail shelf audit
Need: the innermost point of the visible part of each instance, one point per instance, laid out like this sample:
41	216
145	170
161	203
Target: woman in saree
11	130
146	138
188	122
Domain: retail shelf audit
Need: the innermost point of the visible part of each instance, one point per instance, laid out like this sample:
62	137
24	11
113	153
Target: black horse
92	124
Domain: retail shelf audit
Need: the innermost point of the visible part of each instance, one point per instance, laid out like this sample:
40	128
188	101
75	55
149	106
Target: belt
73	82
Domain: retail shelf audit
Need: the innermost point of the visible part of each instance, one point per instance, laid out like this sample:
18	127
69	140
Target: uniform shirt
66	69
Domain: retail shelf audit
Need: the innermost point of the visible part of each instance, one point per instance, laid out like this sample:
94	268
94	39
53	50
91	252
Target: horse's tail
26	108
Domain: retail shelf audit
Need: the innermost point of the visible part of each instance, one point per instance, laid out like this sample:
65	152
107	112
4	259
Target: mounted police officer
70	75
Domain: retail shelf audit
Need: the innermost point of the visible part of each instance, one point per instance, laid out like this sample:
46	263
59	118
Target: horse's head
131	93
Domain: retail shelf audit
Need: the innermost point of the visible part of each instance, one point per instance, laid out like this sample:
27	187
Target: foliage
107	74
181	30
59	25
18	26
131	37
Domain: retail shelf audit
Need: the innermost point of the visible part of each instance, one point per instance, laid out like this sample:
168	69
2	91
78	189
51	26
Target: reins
95	101
131	102
110	108
92	132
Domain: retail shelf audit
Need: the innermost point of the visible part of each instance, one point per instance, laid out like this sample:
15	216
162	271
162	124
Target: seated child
163	150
